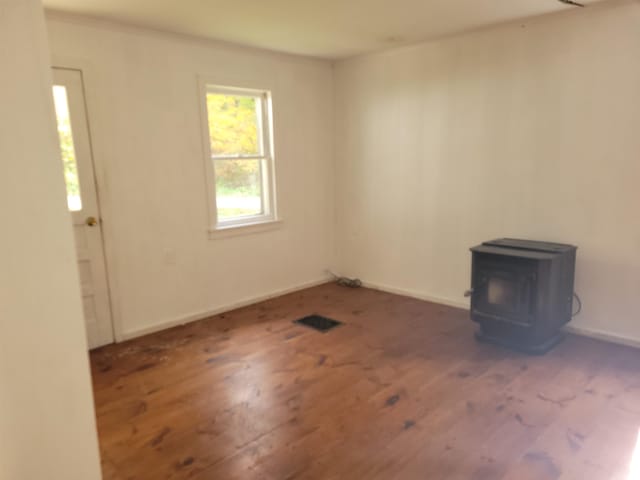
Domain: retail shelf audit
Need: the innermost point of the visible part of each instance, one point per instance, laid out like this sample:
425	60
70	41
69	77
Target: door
82	200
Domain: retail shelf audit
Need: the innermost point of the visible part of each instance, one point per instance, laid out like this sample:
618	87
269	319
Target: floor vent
317	322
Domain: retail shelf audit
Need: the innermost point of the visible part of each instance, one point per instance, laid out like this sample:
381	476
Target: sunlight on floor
634	468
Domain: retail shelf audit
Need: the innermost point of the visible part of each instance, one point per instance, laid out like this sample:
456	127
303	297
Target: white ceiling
326	28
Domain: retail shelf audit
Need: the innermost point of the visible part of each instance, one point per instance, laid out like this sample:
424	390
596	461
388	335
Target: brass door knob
91	221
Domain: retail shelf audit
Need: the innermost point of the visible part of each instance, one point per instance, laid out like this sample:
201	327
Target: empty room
327	240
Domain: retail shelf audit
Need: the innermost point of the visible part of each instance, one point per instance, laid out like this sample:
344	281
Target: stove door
504	289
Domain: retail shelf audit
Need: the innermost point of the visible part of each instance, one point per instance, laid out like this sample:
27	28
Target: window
240	163
74	200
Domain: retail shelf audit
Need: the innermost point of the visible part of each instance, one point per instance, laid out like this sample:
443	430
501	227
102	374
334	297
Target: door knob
91	221
468	293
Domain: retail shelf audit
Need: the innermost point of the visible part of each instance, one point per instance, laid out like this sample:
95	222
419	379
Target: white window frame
253	223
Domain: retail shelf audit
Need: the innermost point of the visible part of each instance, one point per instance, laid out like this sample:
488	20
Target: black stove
522	292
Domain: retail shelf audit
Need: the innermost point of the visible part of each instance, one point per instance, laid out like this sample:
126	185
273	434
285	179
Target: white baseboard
226	308
420	296
600	335
576	330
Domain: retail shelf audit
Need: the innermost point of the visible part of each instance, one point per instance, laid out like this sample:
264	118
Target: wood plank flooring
400	391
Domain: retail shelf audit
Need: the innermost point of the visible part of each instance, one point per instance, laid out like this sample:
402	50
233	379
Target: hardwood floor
401	391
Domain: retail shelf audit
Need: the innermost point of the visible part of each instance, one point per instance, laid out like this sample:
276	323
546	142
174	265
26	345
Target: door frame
92	102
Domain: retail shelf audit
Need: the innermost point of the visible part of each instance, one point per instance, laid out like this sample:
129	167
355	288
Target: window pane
74	200
234	124
238	188
502	292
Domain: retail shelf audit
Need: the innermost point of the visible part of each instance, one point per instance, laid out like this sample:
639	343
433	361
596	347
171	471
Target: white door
82	199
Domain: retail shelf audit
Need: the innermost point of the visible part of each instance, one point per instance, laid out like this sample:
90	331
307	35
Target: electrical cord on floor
346	281
575	295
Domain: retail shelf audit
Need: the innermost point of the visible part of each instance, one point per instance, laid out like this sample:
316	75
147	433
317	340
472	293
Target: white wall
142	96
47	426
525	130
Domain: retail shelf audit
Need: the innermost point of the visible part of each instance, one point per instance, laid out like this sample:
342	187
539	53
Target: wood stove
522	292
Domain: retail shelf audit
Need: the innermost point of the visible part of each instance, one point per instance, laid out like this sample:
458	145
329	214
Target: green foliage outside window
67	150
233	130
68	158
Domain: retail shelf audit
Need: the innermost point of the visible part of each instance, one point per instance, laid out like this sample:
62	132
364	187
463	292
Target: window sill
244	229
